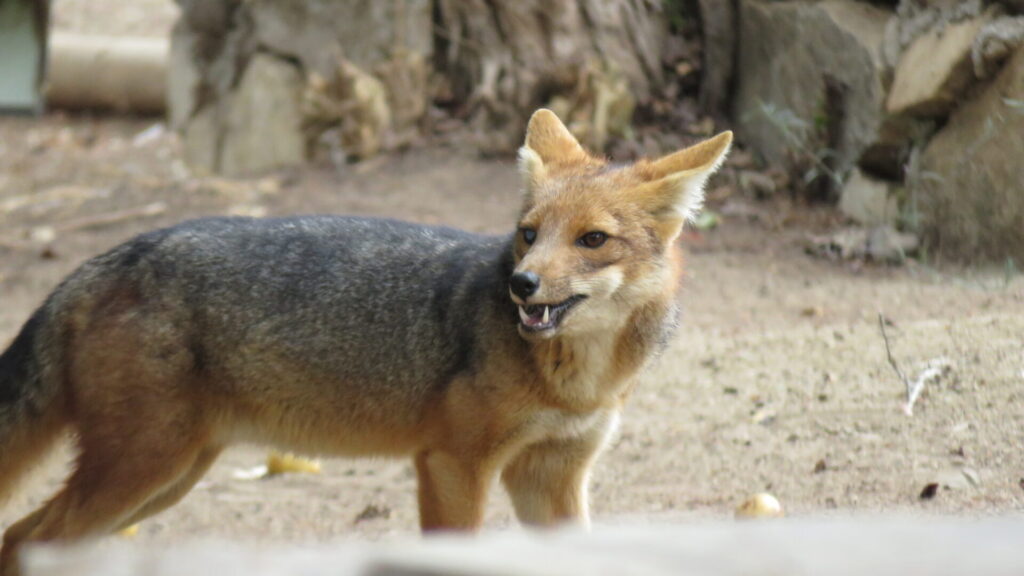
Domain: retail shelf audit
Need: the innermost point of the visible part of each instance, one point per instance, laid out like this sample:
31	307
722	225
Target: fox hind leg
174	492
104	492
141	431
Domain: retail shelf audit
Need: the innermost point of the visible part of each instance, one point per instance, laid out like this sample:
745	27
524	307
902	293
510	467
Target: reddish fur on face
641	207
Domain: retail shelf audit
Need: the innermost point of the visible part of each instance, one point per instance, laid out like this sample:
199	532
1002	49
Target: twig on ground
935	369
888	352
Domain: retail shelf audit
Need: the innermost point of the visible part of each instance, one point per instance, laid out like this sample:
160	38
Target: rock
263	125
365	32
935	71
889	154
881	244
761	505
811	78
868	201
505	59
886	244
183	78
222	50
995	42
969	187
201	142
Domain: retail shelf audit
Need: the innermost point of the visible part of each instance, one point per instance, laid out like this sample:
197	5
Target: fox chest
588	373
554	424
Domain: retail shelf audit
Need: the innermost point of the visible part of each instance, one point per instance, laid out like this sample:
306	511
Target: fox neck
587	372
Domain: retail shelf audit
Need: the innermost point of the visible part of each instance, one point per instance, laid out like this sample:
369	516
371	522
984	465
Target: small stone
820	466
43	234
812	312
761	505
929	491
868	201
885	244
763	416
372	512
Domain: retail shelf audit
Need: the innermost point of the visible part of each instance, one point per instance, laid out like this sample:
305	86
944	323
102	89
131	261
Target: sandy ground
777	380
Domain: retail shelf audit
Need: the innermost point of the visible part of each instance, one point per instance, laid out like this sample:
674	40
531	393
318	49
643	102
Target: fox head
596	241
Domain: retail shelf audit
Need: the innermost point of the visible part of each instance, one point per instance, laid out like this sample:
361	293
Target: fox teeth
523	315
547	314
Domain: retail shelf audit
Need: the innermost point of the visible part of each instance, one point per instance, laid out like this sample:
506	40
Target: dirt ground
777	381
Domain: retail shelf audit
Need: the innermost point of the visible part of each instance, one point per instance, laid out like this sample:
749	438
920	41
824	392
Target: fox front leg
452	492
547	481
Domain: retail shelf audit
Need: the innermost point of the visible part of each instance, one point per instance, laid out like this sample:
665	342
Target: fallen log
109	73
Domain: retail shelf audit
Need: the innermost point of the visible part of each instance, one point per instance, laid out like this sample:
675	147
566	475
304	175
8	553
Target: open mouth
540	317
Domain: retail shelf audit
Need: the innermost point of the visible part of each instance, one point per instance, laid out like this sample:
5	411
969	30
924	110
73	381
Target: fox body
477	356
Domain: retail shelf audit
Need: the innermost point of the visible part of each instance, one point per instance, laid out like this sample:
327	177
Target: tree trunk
297	73
589	59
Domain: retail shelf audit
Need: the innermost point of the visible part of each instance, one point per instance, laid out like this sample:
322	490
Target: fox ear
548	143
675	183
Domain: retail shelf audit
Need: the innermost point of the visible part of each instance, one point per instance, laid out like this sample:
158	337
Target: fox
479	357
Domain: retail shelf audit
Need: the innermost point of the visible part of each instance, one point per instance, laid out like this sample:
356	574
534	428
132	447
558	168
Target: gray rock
868	201
201	143
935	71
886	244
366	32
881	244
262	128
995	42
811	78
969	189
183	79
222	50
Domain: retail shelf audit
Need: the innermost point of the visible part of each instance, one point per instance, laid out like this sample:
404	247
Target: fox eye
593	239
529	235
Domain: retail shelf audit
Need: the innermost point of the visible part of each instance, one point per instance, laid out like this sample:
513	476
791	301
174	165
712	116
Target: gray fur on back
354	300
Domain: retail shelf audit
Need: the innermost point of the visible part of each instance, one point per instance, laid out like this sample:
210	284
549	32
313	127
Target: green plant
797	132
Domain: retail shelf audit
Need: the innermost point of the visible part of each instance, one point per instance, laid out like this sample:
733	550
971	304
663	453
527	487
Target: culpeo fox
477	356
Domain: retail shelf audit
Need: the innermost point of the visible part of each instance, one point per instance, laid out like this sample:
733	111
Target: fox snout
524	284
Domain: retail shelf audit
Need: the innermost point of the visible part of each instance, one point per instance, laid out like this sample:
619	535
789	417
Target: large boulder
255	84
969	188
811	84
935	70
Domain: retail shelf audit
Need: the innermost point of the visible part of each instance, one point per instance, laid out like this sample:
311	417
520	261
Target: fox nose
524	284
